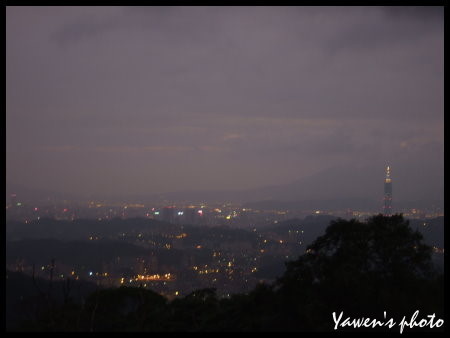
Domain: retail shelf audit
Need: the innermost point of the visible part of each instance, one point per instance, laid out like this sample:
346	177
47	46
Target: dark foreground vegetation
360	269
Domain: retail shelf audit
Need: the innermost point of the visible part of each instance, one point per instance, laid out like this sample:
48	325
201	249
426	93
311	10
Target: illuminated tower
388	193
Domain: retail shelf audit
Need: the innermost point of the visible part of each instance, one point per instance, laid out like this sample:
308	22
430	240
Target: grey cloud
257	94
77	31
416	12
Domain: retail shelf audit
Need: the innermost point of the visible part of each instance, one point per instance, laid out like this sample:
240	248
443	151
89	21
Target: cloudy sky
153	99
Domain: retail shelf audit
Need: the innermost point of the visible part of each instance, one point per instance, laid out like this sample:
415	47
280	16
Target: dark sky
135	100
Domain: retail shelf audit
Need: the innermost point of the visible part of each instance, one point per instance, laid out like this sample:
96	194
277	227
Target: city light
157	277
170	157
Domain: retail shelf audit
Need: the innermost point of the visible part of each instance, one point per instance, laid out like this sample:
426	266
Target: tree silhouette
362	269
124	309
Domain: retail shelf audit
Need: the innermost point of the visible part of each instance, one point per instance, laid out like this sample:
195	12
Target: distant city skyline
290	103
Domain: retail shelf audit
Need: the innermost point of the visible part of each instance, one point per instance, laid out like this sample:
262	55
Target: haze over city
122	101
233	169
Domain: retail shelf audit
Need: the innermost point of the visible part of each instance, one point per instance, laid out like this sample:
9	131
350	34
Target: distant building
387	209
13	200
168	214
190	216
